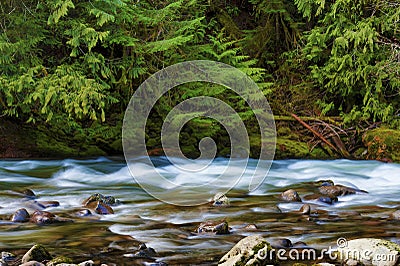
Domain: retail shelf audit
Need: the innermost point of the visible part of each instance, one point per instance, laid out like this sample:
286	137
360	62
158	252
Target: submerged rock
251	250
44	217
215	227
221	200
36	253
290	195
20	216
370	251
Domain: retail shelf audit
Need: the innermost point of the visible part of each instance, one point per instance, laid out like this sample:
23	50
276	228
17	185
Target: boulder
370	251
215	227
44	217
290	195
36	253
251	250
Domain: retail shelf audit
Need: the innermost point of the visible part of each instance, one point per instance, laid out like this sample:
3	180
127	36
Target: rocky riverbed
92	212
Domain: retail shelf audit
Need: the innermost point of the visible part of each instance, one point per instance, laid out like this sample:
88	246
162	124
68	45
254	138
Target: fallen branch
340	151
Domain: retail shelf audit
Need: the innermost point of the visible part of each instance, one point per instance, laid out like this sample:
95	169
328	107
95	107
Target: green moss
289	148
59	260
383	144
39	253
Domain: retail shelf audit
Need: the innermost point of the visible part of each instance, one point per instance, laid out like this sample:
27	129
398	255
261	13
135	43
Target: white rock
370	251
244	251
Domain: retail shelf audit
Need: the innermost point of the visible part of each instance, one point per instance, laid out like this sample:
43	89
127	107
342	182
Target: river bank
21	140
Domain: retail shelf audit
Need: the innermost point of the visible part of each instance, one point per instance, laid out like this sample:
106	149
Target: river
170	229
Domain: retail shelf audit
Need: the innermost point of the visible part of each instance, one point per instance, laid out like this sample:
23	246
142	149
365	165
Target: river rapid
169	229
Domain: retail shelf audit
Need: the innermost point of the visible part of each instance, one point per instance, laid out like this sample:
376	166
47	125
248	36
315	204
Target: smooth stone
221	200
377	248
282	243
216	227
245	252
305	209
324	264
32	263
36	253
395	215
290	195
20	216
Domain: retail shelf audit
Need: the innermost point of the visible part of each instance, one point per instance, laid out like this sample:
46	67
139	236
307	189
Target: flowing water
170	229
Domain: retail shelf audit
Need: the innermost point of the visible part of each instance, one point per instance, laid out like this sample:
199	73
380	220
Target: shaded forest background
69	68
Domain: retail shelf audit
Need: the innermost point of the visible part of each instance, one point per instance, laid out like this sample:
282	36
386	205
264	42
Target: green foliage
352	55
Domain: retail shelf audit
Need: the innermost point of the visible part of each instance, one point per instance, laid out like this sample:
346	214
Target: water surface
169	229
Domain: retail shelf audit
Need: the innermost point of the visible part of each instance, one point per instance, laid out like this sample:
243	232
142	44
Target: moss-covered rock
59	260
37	253
251	250
382	144
370	251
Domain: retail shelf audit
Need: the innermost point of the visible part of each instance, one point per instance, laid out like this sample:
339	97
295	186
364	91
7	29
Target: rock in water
291	195
395	215
305	209
251	250
108	200
102	208
215	227
336	190
20	216
37	253
221	200
370	251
